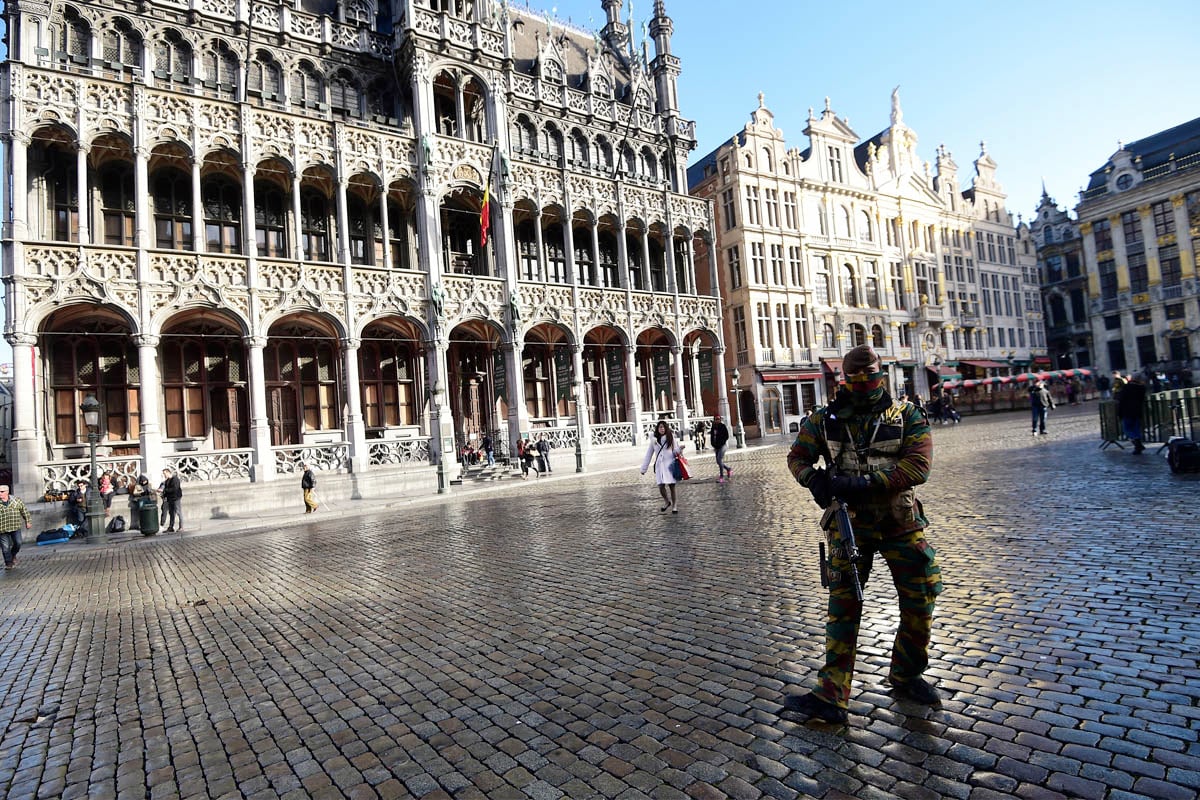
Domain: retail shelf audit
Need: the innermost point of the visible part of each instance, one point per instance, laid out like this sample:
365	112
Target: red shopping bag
685	473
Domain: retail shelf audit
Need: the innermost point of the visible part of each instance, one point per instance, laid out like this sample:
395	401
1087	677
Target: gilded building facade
359	233
851	241
1139	219
1064	284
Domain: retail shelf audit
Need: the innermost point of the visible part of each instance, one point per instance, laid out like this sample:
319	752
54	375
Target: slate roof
1156	150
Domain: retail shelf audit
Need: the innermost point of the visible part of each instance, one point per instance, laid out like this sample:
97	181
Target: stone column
569	247
599	269
719	380
249	236
262	460
669	264
633	396
297	219
85	196
518	414
356	431
343	223
149	386
582	416
541	247
441	448
141	193
19	161
622	257
385	224
681	408
199	237
647	280
26	437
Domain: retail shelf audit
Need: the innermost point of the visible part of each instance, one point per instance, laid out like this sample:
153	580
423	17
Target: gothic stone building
357	233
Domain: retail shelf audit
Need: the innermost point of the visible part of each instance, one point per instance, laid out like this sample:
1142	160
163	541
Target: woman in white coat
664	449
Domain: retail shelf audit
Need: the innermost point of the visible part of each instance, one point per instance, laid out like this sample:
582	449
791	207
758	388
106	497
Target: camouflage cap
859	359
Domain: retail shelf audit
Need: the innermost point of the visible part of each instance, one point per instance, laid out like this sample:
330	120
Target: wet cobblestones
567	640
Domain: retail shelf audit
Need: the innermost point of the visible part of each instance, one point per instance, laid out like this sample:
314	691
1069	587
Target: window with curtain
106	367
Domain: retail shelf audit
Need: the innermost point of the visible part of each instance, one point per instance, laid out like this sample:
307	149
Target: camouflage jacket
891	444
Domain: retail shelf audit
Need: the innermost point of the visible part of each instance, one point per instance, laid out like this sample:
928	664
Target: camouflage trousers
918	580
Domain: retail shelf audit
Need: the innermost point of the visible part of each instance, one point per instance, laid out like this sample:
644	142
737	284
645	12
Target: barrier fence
1164	414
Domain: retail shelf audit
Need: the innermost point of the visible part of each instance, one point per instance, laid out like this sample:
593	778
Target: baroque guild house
358	233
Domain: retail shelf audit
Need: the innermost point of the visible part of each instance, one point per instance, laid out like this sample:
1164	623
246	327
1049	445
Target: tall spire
614	32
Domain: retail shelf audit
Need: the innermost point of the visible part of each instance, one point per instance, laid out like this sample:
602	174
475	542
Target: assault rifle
837	516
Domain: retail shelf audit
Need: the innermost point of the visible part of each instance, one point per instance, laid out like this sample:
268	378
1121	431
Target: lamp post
96	533
739	433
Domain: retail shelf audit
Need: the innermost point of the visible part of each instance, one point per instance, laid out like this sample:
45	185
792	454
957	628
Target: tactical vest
881	449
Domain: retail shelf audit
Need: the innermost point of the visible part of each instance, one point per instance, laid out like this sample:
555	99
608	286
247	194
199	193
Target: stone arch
548	371
391	372
655	371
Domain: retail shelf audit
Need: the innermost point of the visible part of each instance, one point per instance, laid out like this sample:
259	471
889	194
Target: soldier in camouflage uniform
876	451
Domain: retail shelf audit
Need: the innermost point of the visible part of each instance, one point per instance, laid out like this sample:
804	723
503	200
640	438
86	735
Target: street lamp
739	433
96	533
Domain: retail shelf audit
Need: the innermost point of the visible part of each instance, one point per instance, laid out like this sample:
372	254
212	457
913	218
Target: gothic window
628	161
172	200
610	272
556	253
527	252
388	370
601	86
578	153
649	164
356	12
524	136
399	232
265	77
306	86
302	395
197	370
118	208
858	334
222	200
221	70
366	234
642	100
604	154
72	38
828	339
633	251
173	59
865	231
270	220
658	266
552	143
877	337
552	71
314	226
345	97
122	46
108	369
59	179
585	265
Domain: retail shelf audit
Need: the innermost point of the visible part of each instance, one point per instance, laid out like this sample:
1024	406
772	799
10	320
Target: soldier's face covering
866	388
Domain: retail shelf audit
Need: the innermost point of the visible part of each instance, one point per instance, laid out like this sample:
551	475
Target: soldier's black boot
918	690
811	706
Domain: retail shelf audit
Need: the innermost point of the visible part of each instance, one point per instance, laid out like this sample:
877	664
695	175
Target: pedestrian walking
12	513
1130	400
543	450
698	434
488	450
172	494
664	450
876	452
719	436
524	457
308	483
1040	402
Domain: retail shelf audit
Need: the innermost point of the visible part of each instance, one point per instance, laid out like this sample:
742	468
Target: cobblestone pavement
569	640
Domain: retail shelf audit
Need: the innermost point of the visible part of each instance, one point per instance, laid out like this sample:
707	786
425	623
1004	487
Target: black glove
848	486
818	485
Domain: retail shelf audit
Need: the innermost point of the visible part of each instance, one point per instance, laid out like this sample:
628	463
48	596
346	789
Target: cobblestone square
567	640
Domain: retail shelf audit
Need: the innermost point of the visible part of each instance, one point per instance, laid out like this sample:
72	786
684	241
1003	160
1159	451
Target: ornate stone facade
260	232
852	241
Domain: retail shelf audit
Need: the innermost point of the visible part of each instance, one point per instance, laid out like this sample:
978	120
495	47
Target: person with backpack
12	513
489	450
1040	402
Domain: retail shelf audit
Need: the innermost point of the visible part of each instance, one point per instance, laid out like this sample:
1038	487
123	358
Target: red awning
1041	359
943	370
791	376
832	365
985	364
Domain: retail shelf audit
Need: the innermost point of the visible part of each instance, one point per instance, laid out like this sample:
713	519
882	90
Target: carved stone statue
514	310
897	114
438	297
426	154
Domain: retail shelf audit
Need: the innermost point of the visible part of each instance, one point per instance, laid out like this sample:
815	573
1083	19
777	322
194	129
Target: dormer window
1124	182
552	71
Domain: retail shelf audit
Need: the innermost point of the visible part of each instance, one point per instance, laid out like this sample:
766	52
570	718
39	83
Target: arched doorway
605	383
471	362
204	381
303	379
